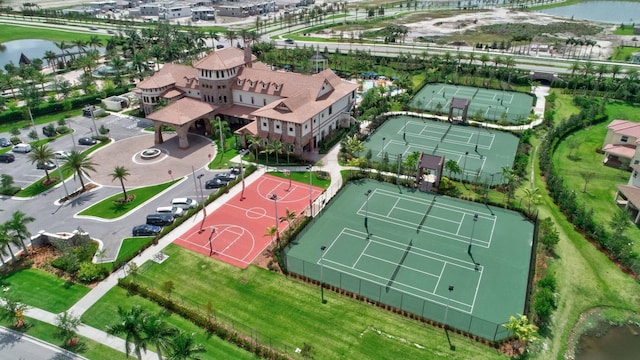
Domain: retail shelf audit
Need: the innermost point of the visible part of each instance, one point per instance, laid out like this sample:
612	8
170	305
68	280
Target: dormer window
239	82
277	87
265	86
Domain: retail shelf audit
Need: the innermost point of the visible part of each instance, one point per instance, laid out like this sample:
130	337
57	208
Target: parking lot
130	138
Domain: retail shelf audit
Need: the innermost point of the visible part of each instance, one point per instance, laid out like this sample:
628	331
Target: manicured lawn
601	188
129	247
223	160
88	348
40	289
104	313
623	53
13	32
24	124
109	209
303	177
289	312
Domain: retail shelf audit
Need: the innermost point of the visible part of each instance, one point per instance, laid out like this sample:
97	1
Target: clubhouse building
297	110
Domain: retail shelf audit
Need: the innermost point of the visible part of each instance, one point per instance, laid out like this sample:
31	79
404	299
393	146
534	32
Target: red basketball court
235	232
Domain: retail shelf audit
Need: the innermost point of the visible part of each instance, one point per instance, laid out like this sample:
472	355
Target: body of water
33	48
615	12
619	343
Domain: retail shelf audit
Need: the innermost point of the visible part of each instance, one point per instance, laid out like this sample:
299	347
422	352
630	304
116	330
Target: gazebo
182	115
458	104
429	172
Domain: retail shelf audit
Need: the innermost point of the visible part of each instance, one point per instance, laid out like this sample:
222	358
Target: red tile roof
170	74
624	127
182	111
226	58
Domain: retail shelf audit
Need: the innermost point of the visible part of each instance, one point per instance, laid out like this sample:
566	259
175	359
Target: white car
172	210
184	203
61	155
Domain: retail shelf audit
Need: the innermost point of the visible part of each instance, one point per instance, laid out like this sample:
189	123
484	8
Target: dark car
45	165
87	141
146	230
49	131
228	176
288	41
5	143
160	219
215	183
7	158
219	46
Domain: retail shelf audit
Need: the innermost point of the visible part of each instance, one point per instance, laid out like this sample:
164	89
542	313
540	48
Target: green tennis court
492	105
481	153
413	248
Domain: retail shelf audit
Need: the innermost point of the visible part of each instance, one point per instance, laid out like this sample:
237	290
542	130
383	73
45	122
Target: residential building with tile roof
298	110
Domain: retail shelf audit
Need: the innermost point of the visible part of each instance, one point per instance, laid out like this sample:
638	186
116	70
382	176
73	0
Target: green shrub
62	129
90	272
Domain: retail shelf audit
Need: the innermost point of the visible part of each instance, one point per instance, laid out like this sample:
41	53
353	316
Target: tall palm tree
158	333
121	173
254	142
63	46
131	326
18	225
289	216
67	327
51	57
94	41
230	35
183	347
276	148
79	163
42	154
6	240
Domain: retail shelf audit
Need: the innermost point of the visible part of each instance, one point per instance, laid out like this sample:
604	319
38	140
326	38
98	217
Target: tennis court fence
394	300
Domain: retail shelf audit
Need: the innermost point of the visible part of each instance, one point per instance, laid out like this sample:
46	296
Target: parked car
219	46
288	41
159	219
4	142
61	155
87	141
146	230
21	148
228	176
235	170
171	210
184	203
7	157
49	165
49	130
215	183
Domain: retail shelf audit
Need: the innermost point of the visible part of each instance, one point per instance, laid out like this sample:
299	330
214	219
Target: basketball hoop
286	172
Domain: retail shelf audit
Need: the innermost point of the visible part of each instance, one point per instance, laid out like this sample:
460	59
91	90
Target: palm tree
79	163
254	142
67	327
276	147
289	216
51	57
131	326
63	46
183	347
42	154
530	194
121	173
6	239
94	41
230	35
452	167
18	225
158	333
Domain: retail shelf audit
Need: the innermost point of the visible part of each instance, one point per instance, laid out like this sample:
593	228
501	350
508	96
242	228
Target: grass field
25	125
109	209
43	290
129	247
15	32
303	177
104	313
271	303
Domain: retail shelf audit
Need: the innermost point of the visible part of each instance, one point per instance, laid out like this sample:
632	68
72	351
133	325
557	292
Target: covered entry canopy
181	115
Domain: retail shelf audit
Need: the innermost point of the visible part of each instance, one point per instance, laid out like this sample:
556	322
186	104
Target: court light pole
473	228
366	210
201	192
322	249
274	197
464	166
446	312
309	167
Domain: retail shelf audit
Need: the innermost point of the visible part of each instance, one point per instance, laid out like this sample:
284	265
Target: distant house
621	144
628	196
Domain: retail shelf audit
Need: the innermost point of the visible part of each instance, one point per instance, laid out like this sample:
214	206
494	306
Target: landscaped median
110	208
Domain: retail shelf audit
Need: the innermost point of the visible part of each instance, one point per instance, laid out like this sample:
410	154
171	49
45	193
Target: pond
618	342
33	48
615	12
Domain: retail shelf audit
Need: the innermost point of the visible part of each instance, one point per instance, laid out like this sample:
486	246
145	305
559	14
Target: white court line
493	228
361	254
473	303
330	246
440	277
460	225
393	207
397	264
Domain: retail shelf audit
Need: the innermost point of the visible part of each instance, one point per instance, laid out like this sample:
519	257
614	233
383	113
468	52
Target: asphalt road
18	346
54	218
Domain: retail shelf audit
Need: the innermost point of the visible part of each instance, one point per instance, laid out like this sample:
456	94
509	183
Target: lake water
615	12
619	343
33	48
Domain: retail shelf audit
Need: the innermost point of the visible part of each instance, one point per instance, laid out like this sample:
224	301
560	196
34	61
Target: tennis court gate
392	299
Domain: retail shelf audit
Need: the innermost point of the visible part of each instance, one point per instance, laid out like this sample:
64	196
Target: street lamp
310	190
446	312
477	138
201	192
274	197
366	210
61	177
322	249
204	207
93	119
473	228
